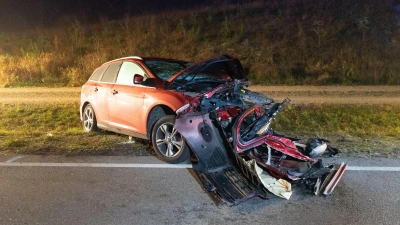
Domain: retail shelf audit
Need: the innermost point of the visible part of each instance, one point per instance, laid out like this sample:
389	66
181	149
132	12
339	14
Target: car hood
222	67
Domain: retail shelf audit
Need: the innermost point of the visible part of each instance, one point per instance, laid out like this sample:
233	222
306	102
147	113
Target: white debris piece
278	187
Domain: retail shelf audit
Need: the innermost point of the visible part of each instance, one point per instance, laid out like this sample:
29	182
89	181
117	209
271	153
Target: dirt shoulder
40	94
370	95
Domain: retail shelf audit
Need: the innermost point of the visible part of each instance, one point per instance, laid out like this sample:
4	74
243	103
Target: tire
89	121
168	143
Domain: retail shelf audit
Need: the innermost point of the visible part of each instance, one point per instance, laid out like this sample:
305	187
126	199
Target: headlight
183	108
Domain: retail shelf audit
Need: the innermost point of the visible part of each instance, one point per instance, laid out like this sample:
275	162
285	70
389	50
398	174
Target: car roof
146	59
128	57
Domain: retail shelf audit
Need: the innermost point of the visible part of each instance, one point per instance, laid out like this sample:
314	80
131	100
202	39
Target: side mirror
137	79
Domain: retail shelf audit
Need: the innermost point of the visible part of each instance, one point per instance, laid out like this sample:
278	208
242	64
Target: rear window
98	73
111	73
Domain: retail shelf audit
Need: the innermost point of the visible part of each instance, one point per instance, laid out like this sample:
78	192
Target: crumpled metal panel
217	168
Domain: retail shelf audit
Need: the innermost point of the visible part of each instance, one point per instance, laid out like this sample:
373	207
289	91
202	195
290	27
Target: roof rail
128	57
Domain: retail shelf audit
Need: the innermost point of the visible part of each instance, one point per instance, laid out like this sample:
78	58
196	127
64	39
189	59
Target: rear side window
111	73
127	71
98	73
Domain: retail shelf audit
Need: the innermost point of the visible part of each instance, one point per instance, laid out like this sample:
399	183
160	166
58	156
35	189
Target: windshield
200	81
165	69
203	76
209	74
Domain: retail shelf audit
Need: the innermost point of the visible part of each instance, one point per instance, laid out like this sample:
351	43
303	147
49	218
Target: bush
300	42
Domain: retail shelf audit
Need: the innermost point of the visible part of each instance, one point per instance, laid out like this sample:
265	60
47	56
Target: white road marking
14	158
157	166
105	165
372	168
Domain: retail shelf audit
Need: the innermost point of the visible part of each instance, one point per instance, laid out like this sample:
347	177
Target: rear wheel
168	143
89	119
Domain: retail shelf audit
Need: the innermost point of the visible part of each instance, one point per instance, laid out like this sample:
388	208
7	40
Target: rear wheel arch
83	107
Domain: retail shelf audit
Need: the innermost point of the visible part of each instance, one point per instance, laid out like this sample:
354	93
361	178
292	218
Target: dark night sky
24	14
28	13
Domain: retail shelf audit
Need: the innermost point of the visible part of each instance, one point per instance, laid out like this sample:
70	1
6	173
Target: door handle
95	89
114	92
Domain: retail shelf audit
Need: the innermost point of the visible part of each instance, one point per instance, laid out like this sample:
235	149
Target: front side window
127	71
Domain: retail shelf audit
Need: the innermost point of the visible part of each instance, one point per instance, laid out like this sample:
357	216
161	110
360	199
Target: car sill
121	131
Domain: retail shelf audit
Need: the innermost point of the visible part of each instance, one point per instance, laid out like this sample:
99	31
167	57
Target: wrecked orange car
205	110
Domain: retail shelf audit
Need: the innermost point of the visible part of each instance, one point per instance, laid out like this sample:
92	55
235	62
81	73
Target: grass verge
355	129
314	42
50	128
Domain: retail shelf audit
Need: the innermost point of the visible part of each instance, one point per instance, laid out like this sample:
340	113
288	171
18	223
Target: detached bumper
333	179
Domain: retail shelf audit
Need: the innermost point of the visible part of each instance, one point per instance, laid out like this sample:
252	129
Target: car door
102	89
125	104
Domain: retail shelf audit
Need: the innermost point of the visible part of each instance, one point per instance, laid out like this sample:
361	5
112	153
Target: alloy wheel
88	119
168	140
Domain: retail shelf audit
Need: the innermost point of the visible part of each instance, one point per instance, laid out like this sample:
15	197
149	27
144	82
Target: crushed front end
241	157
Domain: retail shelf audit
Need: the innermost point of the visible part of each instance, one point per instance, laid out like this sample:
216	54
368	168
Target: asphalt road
129	190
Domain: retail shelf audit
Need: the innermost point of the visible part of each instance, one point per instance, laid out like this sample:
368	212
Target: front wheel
168	143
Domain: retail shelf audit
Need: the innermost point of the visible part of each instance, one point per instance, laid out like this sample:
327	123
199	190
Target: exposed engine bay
239	156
